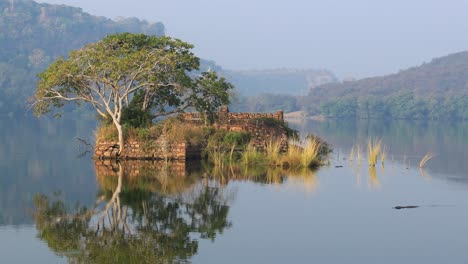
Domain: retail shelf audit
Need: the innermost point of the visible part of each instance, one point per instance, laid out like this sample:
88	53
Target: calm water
59	207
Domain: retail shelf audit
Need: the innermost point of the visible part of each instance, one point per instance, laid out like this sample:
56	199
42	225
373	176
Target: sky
352	38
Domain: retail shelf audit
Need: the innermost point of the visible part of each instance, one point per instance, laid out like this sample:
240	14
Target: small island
188	135
154	103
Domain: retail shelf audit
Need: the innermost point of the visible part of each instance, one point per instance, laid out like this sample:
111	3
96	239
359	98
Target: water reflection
374	182
406	141
304	179
144	213
151	212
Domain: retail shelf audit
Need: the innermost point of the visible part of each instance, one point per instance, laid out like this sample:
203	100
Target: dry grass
106	133
425	159
311	153
301	154
373	151
272	151
292	157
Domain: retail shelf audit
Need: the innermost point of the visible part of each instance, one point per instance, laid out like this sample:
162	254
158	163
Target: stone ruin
263	127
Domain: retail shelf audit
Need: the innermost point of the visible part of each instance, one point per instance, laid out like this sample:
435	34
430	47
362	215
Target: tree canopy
153	75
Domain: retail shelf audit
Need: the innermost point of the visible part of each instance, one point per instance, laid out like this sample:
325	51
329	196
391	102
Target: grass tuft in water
373	151
383	155
425	159
303	154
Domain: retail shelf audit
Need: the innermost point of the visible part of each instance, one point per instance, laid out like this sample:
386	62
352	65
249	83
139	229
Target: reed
351	153
302	154
373	151
251	156
383	155
425	159
272	152
311	153
292	158
231	152
218	156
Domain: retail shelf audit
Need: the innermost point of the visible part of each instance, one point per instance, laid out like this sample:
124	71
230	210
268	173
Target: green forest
437	90
403	106
32	35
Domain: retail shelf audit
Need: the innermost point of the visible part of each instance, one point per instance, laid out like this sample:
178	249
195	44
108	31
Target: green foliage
236	138
152	71
252	157
134	115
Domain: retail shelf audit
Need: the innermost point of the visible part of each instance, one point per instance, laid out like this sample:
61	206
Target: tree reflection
133	222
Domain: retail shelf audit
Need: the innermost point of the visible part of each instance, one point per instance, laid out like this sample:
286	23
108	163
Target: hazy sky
357	38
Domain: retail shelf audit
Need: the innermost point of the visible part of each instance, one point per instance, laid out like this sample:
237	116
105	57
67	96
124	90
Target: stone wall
224	116
160	149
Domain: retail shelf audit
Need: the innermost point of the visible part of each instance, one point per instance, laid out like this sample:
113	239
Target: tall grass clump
373	151
303	154
292	158
311	153
425	159
251	156
272	151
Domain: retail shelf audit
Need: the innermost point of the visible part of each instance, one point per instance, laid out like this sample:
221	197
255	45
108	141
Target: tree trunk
120	133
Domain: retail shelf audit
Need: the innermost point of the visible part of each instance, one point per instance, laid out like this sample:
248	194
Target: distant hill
32	35
278	81
434	90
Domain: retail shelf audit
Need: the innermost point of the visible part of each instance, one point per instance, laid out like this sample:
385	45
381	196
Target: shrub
236	138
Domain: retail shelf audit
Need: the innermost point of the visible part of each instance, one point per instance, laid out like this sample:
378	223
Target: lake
57	205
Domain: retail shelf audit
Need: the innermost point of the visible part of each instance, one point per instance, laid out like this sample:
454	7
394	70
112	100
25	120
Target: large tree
157	73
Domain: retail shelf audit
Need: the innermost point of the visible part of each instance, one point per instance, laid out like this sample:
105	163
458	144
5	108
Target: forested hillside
32	35
434	90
